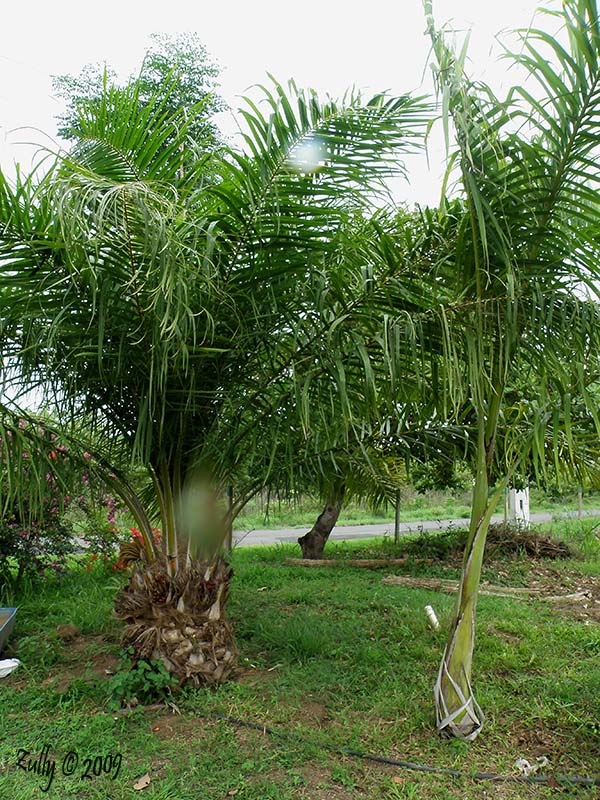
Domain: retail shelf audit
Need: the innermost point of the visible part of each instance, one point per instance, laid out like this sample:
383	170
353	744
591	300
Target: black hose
456	773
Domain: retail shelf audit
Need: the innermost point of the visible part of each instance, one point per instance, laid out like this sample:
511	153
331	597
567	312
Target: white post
518	501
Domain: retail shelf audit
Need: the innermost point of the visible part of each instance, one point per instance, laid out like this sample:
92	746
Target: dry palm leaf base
180	620
464	722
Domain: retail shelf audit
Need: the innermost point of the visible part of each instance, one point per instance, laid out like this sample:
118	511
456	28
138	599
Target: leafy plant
139	682
38	650
37	480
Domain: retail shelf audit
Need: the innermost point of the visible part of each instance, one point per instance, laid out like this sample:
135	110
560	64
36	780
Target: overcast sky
329	45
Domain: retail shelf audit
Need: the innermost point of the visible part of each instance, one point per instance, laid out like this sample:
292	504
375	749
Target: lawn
332	659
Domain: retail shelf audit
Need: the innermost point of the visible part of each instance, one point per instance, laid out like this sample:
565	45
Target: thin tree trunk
457	711
397	518
229	538
313	543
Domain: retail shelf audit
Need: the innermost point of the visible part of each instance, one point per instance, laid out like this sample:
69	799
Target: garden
336	664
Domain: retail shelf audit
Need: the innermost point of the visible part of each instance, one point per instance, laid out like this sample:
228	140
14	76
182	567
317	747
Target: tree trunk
313	543
180	620
397	518
229	536
457	711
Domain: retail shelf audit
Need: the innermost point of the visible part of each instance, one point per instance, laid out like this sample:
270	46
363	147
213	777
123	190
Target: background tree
177	67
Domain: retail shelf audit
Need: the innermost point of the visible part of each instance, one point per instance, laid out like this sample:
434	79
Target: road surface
347	532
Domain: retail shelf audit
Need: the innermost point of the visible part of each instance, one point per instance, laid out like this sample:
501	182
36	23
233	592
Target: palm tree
155	298
350	416
526	242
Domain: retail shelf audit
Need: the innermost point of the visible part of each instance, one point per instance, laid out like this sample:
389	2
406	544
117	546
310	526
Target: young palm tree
526	243
154	297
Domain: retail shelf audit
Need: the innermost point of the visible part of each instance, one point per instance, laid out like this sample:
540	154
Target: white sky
329	45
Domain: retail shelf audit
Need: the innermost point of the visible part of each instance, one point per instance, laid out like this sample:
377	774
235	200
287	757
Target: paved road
341	532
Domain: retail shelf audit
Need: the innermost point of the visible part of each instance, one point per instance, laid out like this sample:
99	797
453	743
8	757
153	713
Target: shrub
139	683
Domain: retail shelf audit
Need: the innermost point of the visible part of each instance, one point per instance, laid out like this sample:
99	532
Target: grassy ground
414	506
333	656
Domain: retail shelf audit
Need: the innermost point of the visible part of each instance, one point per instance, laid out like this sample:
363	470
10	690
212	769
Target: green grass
330	655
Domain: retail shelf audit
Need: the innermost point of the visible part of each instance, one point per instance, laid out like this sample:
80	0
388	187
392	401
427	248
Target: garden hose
456	773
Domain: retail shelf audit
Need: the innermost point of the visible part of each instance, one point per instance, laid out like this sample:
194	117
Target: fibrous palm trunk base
456	710
180	620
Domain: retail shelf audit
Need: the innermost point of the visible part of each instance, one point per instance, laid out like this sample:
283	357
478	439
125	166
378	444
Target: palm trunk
313	543
457	711
180	620
174	604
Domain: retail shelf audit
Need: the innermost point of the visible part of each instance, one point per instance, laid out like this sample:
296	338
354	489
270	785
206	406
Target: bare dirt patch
505	636
319	784
537	741
169	726
87	656
253	676
576	596
315	714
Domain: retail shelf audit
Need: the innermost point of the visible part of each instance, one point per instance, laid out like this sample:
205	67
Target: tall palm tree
526	243
149	296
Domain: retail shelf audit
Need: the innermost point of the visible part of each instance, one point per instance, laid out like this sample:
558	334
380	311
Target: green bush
139	683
